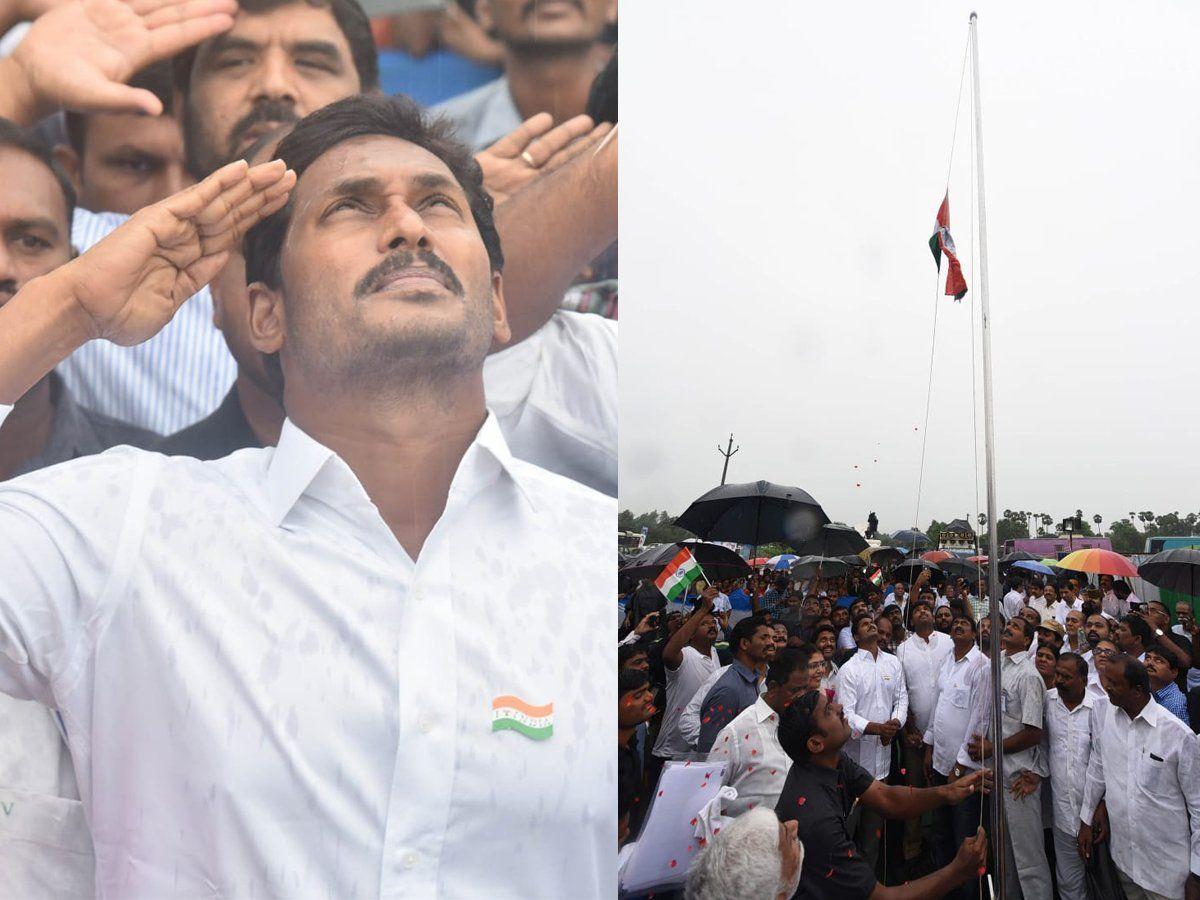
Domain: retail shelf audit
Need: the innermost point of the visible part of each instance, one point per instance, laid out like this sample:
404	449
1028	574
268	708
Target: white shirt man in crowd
1144	766
1022	701
958	692
921	656
871	690
1069	723
750	743
1014	599
307	579
689	659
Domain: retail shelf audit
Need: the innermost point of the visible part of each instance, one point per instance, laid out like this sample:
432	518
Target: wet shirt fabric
819	799
264	695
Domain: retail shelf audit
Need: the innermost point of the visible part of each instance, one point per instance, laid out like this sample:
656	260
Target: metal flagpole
997	794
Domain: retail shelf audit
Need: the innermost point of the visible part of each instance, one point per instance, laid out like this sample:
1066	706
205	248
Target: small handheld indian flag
679	575
877	578
514	714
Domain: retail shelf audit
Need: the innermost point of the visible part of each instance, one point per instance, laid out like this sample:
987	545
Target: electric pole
727	452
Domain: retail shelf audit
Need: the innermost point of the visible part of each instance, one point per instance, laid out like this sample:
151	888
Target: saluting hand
129	285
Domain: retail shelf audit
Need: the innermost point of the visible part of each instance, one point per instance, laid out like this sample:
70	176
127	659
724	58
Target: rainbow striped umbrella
1099	562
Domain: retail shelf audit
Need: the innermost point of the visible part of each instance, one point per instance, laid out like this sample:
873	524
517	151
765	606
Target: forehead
282	26
395	163
28	189
110	131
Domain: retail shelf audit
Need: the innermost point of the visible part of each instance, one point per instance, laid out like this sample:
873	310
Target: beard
203	154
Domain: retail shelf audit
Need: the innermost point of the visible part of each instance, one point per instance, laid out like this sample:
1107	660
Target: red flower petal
693	822
800	801
829	874
773	771
674	864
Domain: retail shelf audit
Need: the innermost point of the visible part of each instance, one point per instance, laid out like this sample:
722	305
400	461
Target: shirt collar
763	711
744	671
299	462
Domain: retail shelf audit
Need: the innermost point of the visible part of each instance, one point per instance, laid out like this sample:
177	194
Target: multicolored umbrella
782	561
1099	562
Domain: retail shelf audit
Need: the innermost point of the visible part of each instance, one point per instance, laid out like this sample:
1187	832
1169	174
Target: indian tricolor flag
877	578
514	714
678	575
941	242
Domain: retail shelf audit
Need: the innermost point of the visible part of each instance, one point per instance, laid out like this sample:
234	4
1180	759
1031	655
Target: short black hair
1049	647
157	78
602	96
1162	654
824	626
744	631
1121	589
626	652
1081	664
1132	670
1027	627
787	662
858	620
797	724
1140	627
359	116
27	141
350	18
968	619
631	680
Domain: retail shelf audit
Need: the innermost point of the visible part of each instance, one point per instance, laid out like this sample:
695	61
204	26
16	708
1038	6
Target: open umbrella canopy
961	568
782	561
978	560
936	556
1030	565
807	566
882	556
717	562
1017	556
834	539
911	568
755	513
1175	570
911	539
853	560
1098	562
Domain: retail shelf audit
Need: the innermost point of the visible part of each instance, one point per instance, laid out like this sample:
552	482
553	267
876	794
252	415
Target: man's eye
32	242
231	62
319	65
137	165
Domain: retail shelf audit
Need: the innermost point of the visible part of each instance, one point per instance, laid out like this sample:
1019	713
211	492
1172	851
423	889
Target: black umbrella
960	568
911	568
853	560
828	566
911	539
717	562
834	539
756	513
1174	570
881	556
1019	556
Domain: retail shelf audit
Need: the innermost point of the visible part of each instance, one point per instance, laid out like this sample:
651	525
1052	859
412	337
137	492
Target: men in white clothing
921	656
750	743
308	583
957	694
689	659
1014	599
1144	766
1070	716
871	690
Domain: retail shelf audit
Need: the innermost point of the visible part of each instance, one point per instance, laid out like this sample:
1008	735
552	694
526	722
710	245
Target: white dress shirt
922	662
757	763
871	689
1068	739
264	695
1147	772
689	719
845	640
1013	601
957	693
1022	703
682	685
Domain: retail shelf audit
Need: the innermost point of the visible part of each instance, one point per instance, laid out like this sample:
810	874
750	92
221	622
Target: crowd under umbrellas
796	593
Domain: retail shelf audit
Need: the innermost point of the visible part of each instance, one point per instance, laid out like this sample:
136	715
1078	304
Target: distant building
1056	547
957	535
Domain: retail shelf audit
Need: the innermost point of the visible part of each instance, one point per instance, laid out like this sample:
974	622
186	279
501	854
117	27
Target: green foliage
658	525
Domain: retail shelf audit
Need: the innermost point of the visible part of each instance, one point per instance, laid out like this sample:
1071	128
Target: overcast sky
781	167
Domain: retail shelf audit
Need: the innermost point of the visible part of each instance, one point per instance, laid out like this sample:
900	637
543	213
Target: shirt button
426	724
410	860
419	594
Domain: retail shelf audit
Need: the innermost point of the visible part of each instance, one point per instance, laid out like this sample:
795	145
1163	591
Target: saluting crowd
861	716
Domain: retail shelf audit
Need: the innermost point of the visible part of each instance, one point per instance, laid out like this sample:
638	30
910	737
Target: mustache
531	6
397	262
267	111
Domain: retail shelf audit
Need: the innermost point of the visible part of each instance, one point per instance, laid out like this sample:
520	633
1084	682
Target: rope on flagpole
936	283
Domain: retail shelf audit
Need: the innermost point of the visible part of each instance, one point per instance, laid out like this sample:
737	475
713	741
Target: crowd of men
862	715
264	646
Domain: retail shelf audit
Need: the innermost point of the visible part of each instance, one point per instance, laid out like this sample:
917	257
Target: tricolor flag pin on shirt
678	575
511	713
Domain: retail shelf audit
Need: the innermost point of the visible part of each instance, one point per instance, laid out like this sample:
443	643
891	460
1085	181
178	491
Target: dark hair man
752	642
1022	718
635	707
943	619
822	787
631	656
47	425
121	162
552	55
388	297
750	742
871	689
689	659
1133	636
1176	646
1098	628
1162	672
1139	748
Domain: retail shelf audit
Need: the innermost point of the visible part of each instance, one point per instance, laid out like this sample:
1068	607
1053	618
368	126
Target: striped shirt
174	379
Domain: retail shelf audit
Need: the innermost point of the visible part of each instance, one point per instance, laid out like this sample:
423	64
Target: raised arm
673	651
79	54
128	286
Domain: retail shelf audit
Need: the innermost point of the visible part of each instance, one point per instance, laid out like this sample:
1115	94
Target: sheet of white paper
667	844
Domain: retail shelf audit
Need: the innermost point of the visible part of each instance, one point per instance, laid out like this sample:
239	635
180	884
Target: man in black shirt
822	788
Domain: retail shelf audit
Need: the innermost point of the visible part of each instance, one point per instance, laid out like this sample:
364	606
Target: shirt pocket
959	697
1157	776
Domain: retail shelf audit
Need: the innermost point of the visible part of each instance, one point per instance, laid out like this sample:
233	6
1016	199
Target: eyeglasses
1105	654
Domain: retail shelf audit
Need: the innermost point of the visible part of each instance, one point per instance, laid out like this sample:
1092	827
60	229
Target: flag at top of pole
941	242
678	575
